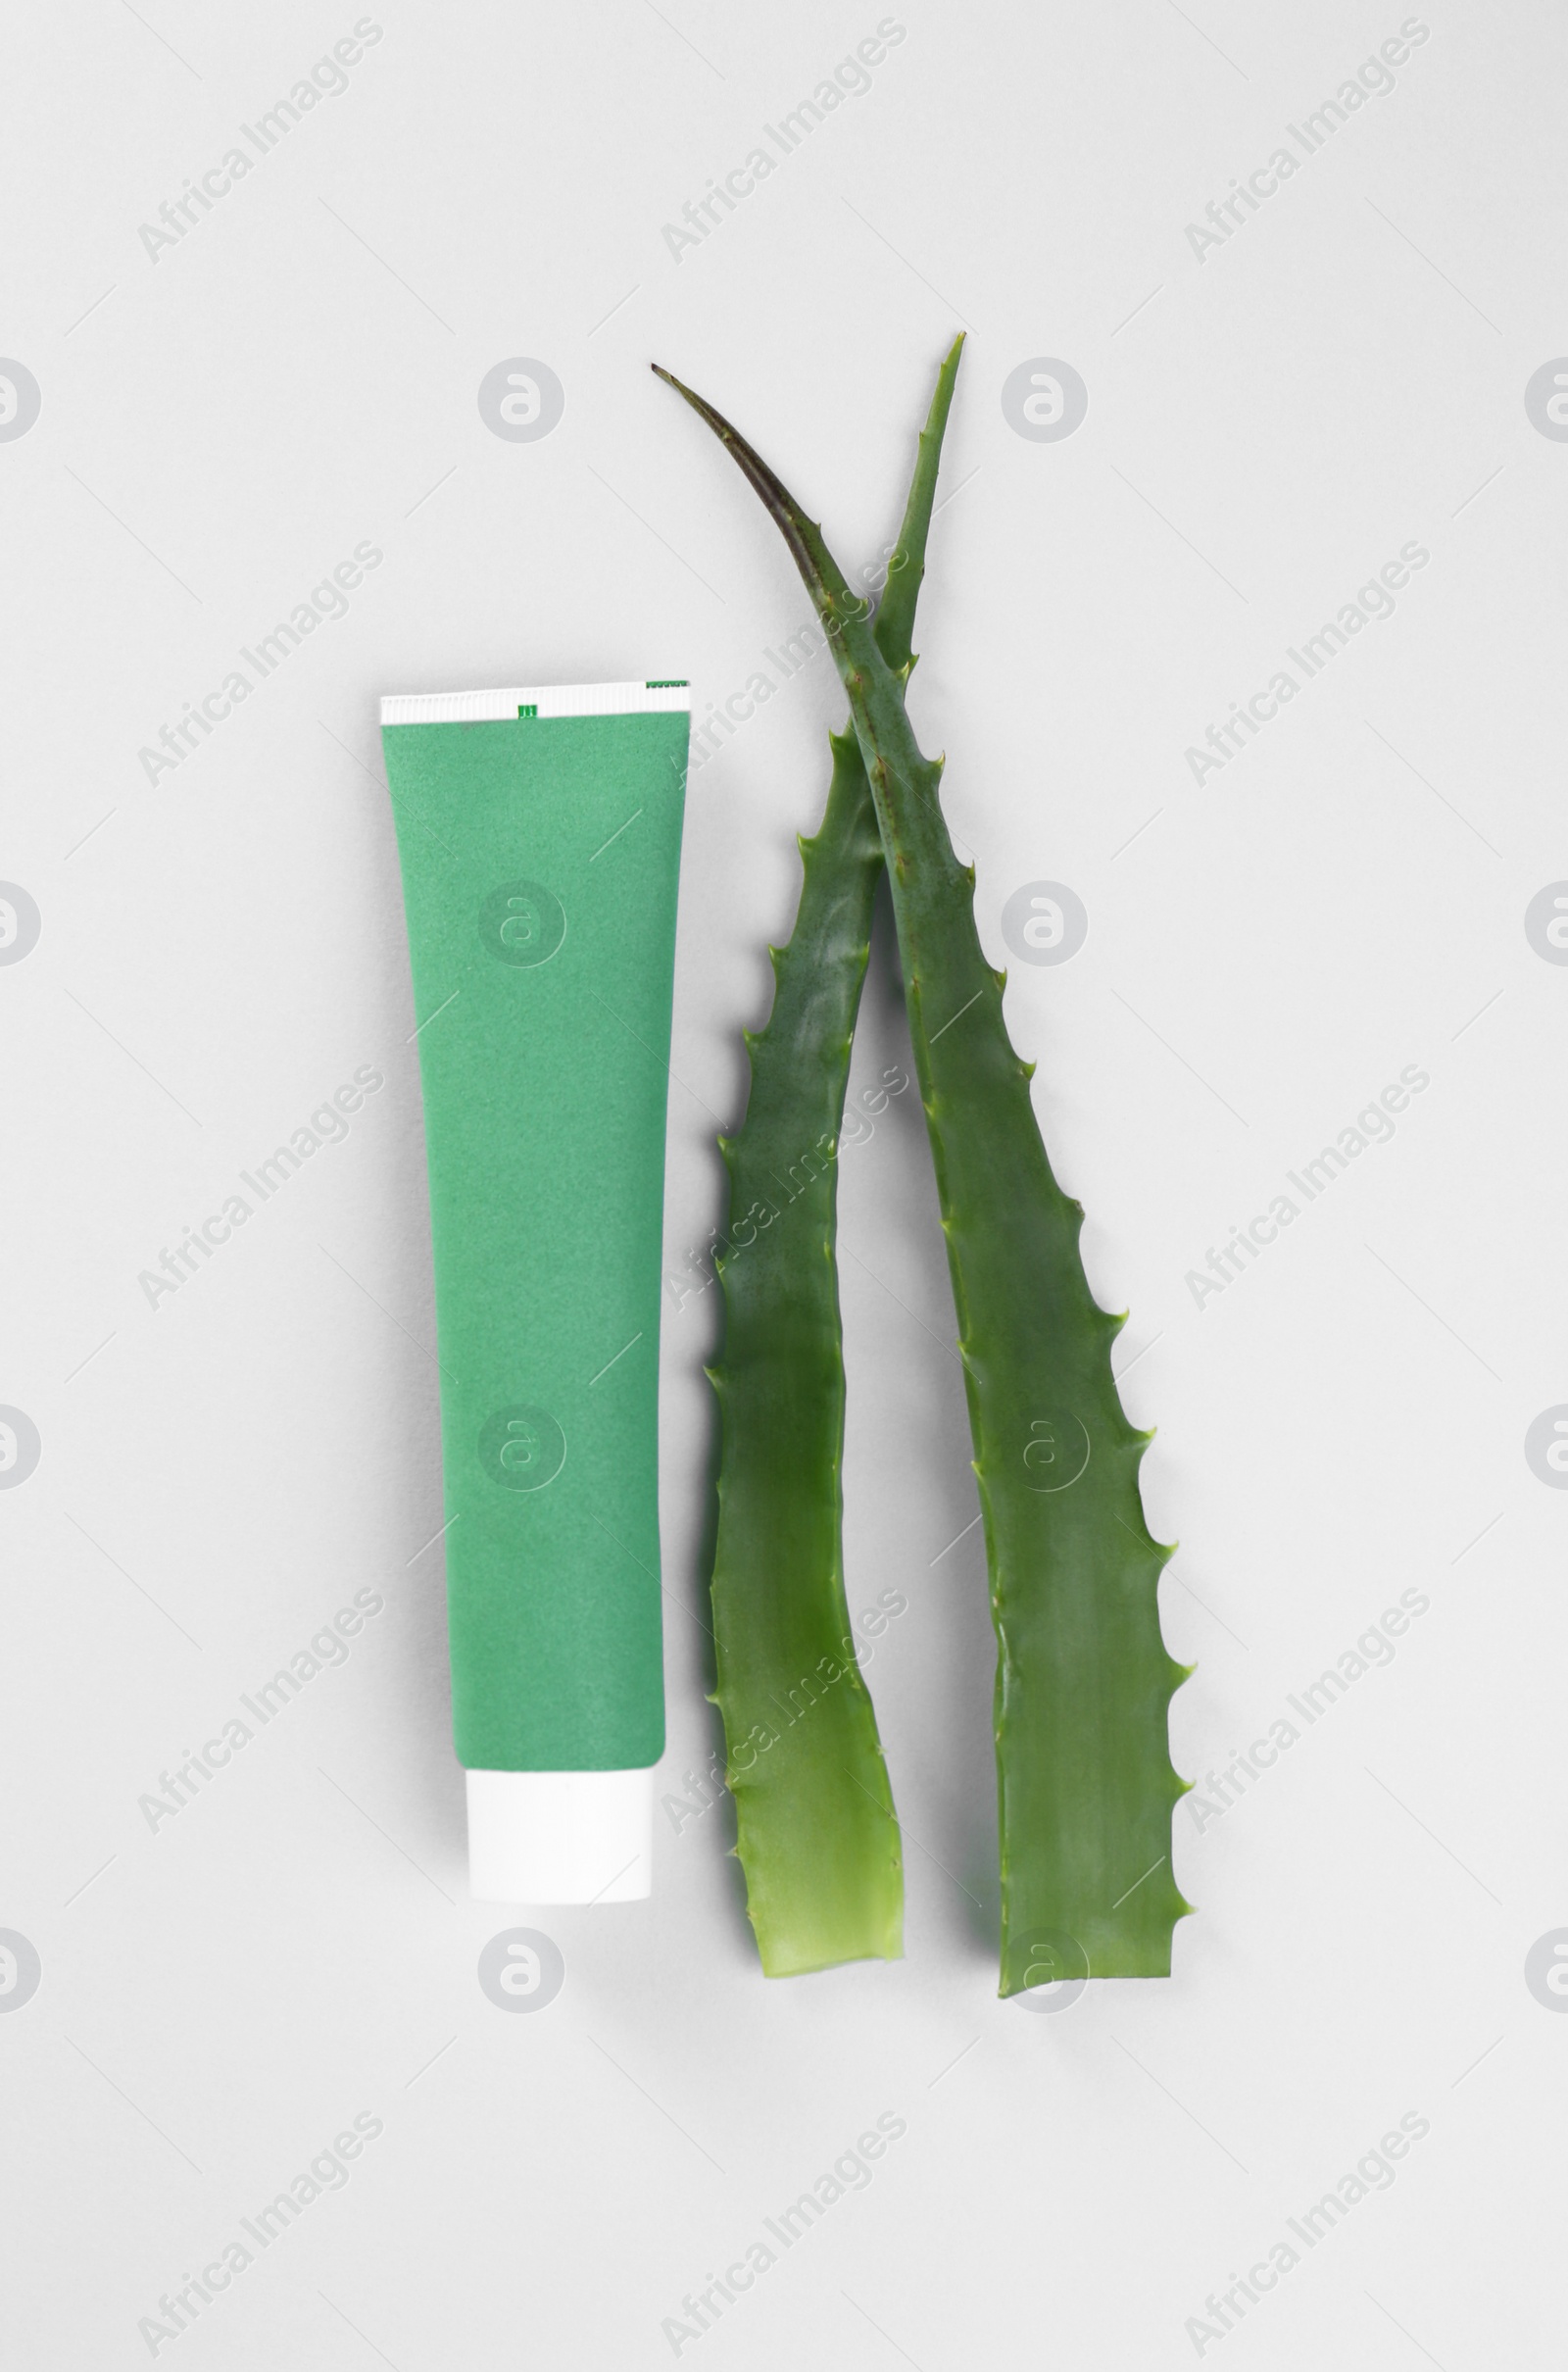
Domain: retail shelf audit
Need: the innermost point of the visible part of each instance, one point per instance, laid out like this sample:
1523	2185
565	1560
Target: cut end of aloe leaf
805	1950
817	1832
1085	1781
1049	1956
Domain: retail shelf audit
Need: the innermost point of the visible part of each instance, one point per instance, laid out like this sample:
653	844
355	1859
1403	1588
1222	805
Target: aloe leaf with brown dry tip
1085	1783
817	1834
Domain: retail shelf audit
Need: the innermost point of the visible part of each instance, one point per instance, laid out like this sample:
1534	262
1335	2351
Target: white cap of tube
561	1836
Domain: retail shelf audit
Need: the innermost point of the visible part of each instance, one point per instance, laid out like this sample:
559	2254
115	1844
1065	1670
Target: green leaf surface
1085	1783
817	1834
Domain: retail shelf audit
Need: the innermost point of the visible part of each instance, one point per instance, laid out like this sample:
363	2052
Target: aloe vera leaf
817	1833
1085	1783
893	628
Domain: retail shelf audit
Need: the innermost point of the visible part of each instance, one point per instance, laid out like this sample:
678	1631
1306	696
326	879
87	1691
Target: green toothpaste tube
539	835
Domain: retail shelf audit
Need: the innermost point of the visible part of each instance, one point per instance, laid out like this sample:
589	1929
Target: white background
219	951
